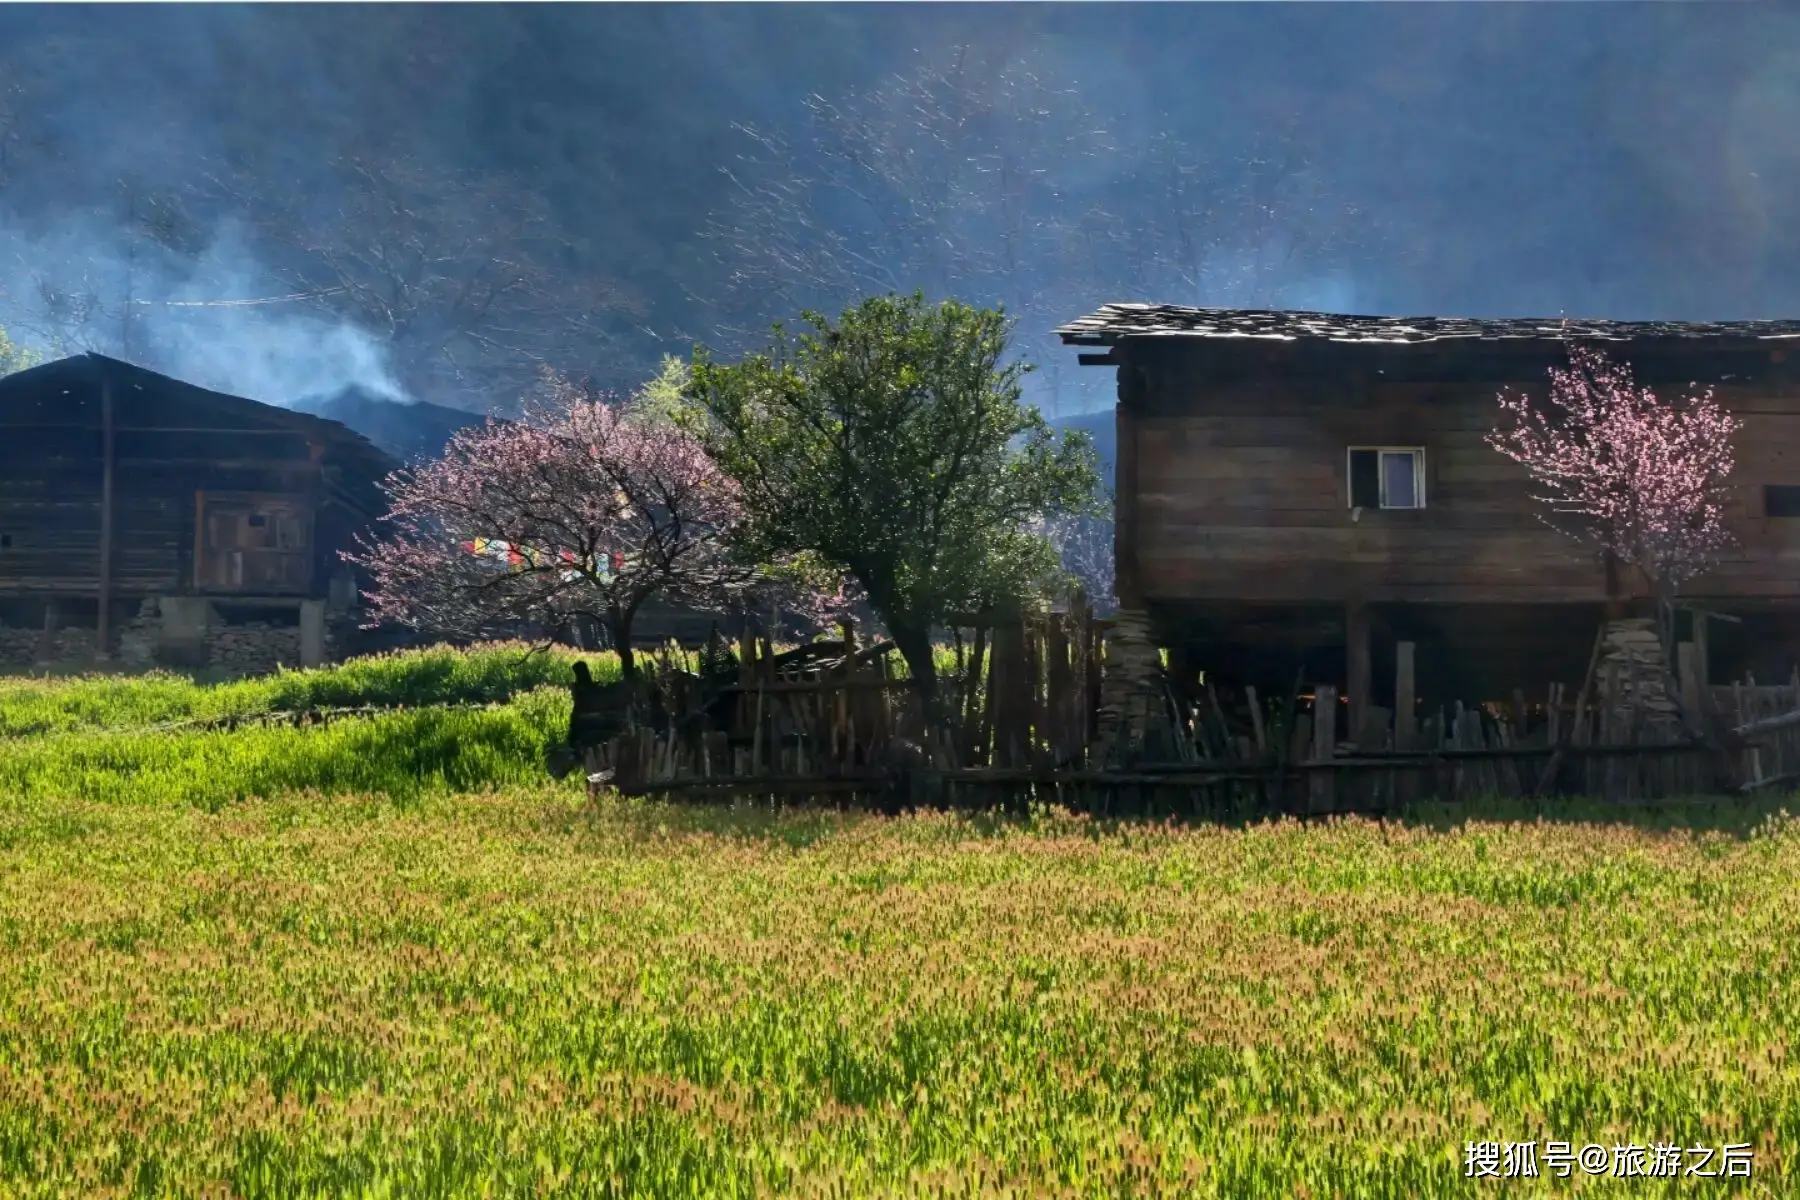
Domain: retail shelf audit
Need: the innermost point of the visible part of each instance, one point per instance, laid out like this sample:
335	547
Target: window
1387	477
1781	500
253	543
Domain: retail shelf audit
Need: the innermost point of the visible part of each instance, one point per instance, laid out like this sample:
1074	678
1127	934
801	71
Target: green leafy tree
663	398
14	357
892	444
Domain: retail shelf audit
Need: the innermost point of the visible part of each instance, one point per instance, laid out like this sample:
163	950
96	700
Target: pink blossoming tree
588	508
1633	474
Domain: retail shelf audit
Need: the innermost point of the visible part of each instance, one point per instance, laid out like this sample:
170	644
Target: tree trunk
618	624
916	648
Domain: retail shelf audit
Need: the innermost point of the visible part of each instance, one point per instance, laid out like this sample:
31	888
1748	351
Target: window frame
1419	490
1769	489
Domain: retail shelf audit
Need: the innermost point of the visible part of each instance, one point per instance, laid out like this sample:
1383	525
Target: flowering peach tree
588	508
1633	474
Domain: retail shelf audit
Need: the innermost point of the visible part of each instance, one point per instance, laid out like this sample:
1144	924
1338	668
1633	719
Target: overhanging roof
42	392
1113	323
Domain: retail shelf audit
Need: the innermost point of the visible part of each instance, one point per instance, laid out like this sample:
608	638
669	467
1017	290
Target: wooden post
1688	672
312	633
1356	653
103	622
1324	747
46	651
1125	488
1617	606
1702	660
1405	697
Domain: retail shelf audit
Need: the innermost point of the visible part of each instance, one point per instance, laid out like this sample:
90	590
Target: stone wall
235	649
135	647
256	648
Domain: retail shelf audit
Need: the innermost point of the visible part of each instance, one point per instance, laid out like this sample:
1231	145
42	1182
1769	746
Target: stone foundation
192	636
1633	688
1132	715
134	648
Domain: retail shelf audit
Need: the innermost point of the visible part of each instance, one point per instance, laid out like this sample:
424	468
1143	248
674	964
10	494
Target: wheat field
288	962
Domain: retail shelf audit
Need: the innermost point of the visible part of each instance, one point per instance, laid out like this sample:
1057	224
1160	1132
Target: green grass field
384	957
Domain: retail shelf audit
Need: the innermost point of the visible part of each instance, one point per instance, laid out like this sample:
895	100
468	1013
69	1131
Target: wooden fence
841	719
1022	707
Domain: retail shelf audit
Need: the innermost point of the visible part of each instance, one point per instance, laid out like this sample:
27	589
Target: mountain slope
406	431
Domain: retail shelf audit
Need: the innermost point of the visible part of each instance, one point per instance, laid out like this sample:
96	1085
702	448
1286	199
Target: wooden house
120	486
1300	493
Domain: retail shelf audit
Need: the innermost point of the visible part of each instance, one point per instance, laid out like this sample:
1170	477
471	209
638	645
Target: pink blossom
1631	473
583	509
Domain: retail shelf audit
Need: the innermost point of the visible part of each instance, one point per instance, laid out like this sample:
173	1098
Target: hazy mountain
409	431
282	200
406	431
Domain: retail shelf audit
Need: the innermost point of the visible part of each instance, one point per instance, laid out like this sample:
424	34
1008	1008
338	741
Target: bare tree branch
466	278
981	179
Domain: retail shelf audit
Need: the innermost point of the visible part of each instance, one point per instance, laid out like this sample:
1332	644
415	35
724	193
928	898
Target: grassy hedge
404	755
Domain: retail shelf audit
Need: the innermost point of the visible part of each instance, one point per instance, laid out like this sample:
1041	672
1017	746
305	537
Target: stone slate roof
1114	322
64	392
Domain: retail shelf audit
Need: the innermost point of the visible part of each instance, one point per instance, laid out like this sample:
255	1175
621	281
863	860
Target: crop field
383	956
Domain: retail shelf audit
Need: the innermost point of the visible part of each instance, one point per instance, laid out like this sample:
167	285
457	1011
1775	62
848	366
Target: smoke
1525	159
204	310
1337	293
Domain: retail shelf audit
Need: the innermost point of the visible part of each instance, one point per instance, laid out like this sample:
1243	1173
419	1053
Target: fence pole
1405	696
1320	788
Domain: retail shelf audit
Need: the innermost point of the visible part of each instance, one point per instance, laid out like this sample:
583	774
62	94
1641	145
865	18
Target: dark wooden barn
1301	492
120	486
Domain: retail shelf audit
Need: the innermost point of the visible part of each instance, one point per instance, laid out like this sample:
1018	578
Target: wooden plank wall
1244	496
50	498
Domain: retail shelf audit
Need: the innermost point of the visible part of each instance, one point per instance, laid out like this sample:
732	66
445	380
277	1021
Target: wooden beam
1356	654
312	633
1689	677
1096	360
1324	747
1405	696
205	430
297	465
1125	510
103	621
46	651
199	537
1702	654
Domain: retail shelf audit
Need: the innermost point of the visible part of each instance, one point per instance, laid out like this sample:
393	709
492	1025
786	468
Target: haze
439	202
